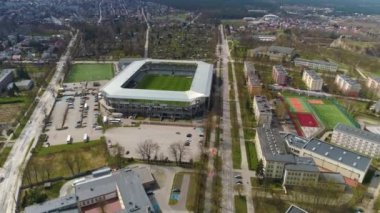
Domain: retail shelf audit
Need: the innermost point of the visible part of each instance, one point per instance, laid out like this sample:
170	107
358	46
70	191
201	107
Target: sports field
306	109
306	119
165	82
89	72
331	115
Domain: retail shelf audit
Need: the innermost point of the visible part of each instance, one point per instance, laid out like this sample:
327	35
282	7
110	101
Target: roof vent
319	143
344	152
331	147
327	153
354	164
313	149
340	159
358	157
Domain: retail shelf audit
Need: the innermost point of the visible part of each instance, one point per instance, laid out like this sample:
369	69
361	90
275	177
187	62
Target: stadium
160	88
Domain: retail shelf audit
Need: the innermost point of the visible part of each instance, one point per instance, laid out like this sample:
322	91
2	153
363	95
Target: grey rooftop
369	136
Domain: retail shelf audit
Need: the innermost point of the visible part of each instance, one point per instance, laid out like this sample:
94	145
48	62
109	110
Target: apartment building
373	83
280	75
254	84
312	80
347	85
330	157
262	109
316	64
271	150
361	141
303	172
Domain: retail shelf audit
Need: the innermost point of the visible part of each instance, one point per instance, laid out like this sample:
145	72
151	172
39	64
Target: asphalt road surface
12	170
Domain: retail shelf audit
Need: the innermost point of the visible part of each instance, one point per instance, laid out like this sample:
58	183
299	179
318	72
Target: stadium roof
200	86
369	136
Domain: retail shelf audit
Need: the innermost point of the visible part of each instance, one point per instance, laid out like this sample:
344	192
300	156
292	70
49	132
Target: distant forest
238	8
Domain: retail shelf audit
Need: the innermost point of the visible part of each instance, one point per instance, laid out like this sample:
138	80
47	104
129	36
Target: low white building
361	141
316	64
347	85
312	80
373	83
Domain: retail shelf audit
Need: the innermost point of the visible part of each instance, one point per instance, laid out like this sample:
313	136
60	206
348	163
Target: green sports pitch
165	82
89	72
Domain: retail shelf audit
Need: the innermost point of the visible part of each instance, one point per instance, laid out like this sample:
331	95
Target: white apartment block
316	64
312	80
347	85
263	112
373	83
361	141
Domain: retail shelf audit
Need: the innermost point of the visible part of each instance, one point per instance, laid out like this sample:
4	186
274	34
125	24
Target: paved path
146	47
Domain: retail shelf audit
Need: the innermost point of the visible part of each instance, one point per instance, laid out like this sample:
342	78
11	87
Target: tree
70	162
148	149
280	110
178	150
260	169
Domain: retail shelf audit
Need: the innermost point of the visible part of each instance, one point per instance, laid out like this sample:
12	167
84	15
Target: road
100	12
225	145
13	167
146	47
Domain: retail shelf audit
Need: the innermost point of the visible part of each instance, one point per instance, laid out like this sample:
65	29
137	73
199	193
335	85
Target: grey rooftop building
262	109
6	77
124	188
358	140
330	157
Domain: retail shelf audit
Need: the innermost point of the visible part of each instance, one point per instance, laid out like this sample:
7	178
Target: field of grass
331	115
240	204
4	155
191	193
177	183
64	160
89	72
247	116
165	82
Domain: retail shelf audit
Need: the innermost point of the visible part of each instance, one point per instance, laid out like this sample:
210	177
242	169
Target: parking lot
75	114
164	136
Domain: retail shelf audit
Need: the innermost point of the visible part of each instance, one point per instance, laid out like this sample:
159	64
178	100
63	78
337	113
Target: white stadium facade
120	95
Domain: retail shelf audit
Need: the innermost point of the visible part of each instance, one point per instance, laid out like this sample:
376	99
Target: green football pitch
165	82
331	115
90	72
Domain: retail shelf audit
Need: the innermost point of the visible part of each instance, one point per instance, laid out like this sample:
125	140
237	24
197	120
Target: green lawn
240	204
177	183
68	147
165	82
331	115
90	72
4	155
